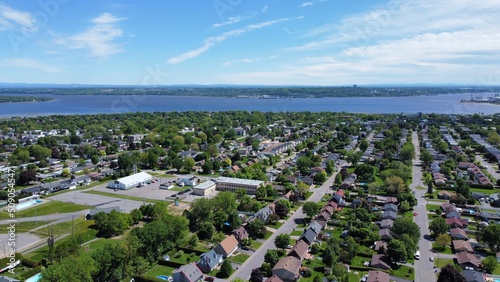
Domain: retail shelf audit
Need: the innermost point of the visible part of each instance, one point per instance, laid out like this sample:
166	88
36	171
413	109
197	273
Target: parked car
431	258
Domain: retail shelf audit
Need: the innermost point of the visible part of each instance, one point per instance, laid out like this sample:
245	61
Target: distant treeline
17	99
260	92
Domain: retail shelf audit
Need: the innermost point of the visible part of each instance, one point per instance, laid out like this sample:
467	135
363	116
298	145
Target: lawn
50	207
25	226
439	263
297	232
405	272
438	249
239	258
268	234
160	270
183	257
431	207
132	198
484	191
255	245
276	225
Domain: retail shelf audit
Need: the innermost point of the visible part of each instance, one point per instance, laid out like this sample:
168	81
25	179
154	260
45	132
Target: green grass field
50	207
160	270
132	198
25	226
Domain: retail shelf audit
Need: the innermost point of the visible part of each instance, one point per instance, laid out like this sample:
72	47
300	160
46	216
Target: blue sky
275	42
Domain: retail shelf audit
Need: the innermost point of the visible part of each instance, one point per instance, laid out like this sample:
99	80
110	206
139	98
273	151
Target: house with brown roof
391	200
240	234
466	259
462	246
273	278
386	223
445	195
380	246
377	276
458	233
385	234
457	222
227	246
379	261
287	269
299	250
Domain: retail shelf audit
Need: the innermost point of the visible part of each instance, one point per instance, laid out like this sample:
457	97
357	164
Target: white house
188	181
130	181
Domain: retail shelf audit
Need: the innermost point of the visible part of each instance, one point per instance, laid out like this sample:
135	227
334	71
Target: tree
272	257
193	240
404	225
94	159
282	241
226	269
311	209
256	275
394	185
404	206
26	176
320	177
438	226
81	268
330	256
450	273
282	207
39	152
489	264
261	192
257	228
302	188
136	215
188	164
349	250
407	152
489	235
426	157
111	261
396	250
443	240
206	230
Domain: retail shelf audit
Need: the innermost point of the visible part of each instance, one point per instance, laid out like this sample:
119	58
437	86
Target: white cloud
11	19
306	4
99	39
29	63
264	9
212	41
247	61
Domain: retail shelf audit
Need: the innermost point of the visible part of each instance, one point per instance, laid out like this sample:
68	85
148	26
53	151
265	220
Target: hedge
30	263
6	260
169	263
32	272
362	268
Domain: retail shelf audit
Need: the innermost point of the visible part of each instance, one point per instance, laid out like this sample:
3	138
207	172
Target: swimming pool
34	278
27	204
164	277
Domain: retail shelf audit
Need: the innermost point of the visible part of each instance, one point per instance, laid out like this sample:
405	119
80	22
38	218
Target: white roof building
130	181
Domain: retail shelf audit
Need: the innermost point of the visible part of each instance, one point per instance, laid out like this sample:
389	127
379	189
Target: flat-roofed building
204	188
134	180
233	184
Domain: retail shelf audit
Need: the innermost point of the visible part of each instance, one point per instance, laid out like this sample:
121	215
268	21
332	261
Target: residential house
380	261
287	269
307	180
337	198
8	279
315	226
263	214
188	273
459	234
323	216
209	261
386	223
380	246
457	222
308	236
389	215
452	213
227	246
473	276
391	207
445	195
391	200
495	199
377	276
385	234
349	181
462	246
273	278
469	260
241	234
299	250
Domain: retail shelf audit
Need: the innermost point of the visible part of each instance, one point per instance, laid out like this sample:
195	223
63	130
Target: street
424	269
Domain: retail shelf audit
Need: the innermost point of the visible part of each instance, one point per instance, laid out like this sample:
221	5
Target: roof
239	181
461	245
8	279
473	276
299	249
392	207
273	278
377	276
229	243
458	232
465	257
315	226
289	263
240	233
308	236
210	259
385	232
134	178
190	271
387	223
389	214
378	261
205	185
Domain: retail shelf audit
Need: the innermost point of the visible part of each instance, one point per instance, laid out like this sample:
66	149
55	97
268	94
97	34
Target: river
102	104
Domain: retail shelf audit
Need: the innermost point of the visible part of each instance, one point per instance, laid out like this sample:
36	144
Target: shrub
30	263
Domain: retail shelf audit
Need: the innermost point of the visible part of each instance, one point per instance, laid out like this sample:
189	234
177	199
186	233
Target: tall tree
438	226
311	208
449	273
404	225
282	241
489	235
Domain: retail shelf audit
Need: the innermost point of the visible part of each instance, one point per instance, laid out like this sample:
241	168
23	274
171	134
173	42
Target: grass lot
442	262
484	191
297	232
120	196
82	228
51	207
276	225
438	249
25	226
405	272
239	258
431	207
268	234
160	270
255	245
184	258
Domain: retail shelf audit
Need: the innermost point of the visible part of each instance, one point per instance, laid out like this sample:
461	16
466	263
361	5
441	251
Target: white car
431	258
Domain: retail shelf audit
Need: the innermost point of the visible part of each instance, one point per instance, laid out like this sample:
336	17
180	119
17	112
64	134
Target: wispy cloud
29	63
264	9
212	41
233	20
306	4
99	39
247	61
12	19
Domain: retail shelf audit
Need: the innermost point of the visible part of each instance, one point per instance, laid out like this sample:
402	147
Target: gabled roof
377	276
229	244
308	236
458	233
473	276
191	271
299	250
315	226
289	263
389	214
378	262
210	259
385	233
391	200
390	207
468	258
461	245
240	233
273	278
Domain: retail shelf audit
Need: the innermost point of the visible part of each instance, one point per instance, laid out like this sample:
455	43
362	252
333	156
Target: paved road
256	259
424	271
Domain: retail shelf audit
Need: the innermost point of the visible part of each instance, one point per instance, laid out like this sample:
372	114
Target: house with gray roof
209	261
308	236
188	273
263	214
473	276
315	226
389	215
